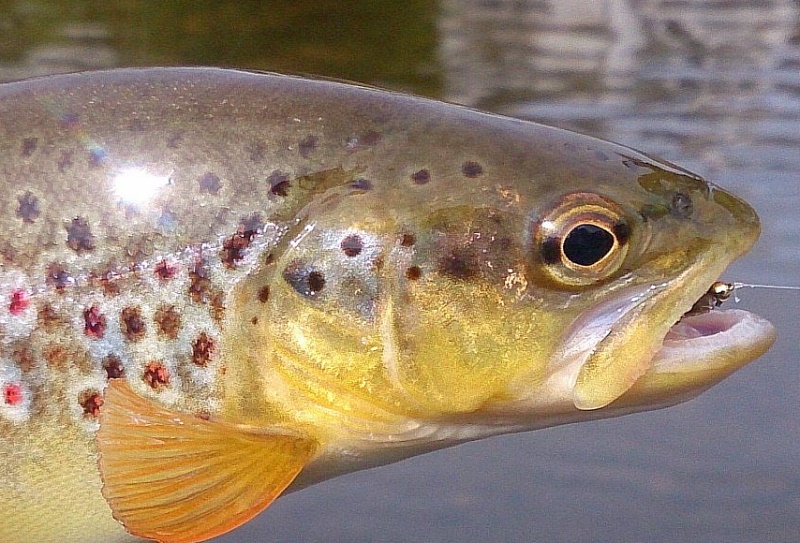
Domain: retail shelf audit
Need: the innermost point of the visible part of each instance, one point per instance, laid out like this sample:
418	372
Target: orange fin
176	478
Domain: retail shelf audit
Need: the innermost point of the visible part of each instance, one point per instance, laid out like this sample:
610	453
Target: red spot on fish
156	375
164	270
95	322
132	324
202	350
91	401
113	366
12	394
20	300
233	247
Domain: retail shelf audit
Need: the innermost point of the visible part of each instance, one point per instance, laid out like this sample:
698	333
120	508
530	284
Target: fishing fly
720	292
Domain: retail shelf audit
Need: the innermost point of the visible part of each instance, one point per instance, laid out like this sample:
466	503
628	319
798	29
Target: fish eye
581	241
587	244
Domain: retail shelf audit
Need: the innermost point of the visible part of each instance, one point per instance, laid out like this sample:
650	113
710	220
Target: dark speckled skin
135	203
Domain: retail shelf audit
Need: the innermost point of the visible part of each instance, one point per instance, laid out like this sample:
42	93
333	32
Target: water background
712	85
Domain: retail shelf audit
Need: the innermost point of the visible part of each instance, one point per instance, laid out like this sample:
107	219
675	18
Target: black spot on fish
156	375
263	294
413	273
79	236
202	349
94	322
28	207
253	223
48	318
352	245
279	183
210	183
165	271
305	280
65	160
308	145
29	146
257	151
471	169
361	184
137	125
200	286
316	281
458	265
57	276
90	401
421	177
407	240
234	246
174	139
97	157
217	306
107	279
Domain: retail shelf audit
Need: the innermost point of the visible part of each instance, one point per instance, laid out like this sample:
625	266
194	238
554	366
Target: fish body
217	286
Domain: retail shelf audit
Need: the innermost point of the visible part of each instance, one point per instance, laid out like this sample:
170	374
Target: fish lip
716	332
713	340
699	342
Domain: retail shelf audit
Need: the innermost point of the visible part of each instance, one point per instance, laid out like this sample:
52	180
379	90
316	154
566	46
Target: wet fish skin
355	274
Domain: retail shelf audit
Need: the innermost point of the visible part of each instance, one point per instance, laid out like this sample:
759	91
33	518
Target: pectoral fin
176	478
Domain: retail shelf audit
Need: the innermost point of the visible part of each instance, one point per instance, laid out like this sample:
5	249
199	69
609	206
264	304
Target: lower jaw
715	339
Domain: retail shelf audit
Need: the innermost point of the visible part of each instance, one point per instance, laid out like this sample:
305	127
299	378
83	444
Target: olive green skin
265	156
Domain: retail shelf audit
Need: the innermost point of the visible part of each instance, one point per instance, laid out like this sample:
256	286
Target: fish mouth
703	345
713	337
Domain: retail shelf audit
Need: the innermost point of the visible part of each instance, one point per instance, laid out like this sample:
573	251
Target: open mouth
625	341
707	333
699	320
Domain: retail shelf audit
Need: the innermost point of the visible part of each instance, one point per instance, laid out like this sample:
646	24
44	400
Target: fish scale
217	286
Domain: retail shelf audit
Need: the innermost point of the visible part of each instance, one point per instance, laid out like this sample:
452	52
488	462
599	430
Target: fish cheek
464	326
461	344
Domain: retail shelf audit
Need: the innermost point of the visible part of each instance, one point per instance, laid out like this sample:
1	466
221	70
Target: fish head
515	302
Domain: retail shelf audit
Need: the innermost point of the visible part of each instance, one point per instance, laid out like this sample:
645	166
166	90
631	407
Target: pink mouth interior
703	325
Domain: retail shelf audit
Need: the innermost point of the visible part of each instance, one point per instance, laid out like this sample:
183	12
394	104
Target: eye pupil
587	244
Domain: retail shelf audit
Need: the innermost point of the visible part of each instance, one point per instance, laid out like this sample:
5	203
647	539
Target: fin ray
177	478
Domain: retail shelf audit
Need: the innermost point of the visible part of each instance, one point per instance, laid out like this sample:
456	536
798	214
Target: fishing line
753	285
721	291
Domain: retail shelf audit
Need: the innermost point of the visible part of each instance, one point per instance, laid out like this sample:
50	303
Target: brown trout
219	286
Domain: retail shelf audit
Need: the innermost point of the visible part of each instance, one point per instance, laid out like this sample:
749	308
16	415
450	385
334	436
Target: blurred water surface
713	85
